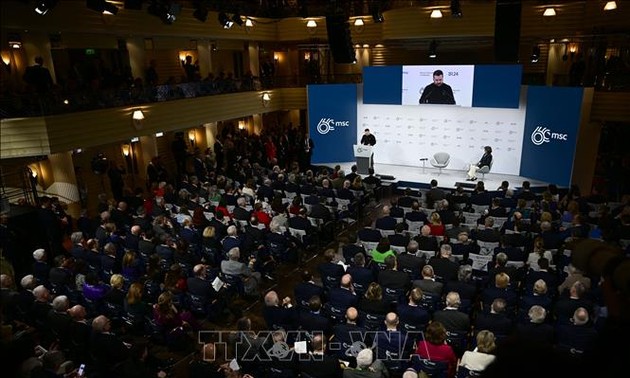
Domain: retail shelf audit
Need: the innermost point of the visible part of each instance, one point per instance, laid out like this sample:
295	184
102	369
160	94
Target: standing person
308	146
437	92
116	180
151	75
486	159
38	77
368	139
180	153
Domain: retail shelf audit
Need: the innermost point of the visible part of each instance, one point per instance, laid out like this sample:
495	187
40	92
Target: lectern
363	155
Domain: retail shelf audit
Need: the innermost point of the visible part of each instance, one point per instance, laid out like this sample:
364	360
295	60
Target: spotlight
225	21
165	10
43	6
535	54
456	9
433	49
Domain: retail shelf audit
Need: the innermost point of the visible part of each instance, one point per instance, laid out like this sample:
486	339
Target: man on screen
437	92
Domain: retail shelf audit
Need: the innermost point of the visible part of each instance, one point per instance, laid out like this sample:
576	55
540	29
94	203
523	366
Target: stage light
433	49
456	9
610	5
167	11
44	6
535	54
225	21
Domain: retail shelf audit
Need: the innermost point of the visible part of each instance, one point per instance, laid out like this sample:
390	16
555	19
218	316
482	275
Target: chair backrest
480	262
487	248
434	369
372	322
442	157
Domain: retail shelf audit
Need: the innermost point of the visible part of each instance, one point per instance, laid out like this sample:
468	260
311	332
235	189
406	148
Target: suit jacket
499	324
486	159
453	320
342	298
444	268
429	286
278	317
235	268
200	287
394	279
411	264
241	213
426	243
305	290
313	322
108	349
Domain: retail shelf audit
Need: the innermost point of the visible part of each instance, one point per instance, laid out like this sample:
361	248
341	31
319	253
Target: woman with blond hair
482	356
436	225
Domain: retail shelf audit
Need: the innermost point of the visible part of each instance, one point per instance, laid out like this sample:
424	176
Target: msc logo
325	125
543	135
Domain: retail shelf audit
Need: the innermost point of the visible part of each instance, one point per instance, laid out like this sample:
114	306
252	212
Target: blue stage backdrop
382	85
552	122
332	119
497	86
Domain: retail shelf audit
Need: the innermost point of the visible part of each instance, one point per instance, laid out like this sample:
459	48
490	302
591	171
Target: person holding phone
437	92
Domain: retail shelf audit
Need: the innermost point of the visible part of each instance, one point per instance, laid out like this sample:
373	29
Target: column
251	59
64	182
211	133
204	51
137	56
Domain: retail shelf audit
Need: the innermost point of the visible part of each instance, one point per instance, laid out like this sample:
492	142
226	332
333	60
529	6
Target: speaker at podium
363	156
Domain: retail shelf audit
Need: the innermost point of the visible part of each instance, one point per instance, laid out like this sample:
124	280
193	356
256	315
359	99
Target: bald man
392	347
343	296
346	334
106	348
279	314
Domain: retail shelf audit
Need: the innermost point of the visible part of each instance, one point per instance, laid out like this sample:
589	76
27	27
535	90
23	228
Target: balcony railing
59	101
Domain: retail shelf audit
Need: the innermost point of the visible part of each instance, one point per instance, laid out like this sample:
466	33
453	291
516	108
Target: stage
420	177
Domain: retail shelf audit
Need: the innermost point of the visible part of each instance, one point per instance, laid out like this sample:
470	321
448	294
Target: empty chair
440	160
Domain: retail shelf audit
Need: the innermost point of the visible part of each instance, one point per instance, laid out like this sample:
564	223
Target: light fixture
249	23
535	54
15	41
137	118
276	57
456	9
433	49
137	115
307	55
44	6
549	12
610	5
436	13
159	134
135	140
573	48
126	149
359	25
33	172
266	98
241	125
225	21
66	102
311	24
166	11
191	136
6	59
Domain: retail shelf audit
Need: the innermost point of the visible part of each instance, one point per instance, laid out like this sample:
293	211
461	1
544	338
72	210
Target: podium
363	155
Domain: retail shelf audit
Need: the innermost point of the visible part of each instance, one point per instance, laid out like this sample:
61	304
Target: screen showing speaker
438	84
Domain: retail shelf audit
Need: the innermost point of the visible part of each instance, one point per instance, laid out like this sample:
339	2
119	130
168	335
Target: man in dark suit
107	349
343	296
409	263
488	234
279	315
220	228
451	317
329	271
201	287
392	347
413	317
393	279
320	364
306	289
312	320
361	276
240	212
496	320
442	265
353	173
416	215
400	238
434	194
345	335
265	191
426	242
386	221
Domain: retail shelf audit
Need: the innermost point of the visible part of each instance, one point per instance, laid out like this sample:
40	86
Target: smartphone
81	371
